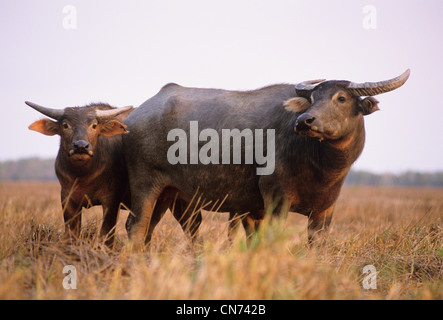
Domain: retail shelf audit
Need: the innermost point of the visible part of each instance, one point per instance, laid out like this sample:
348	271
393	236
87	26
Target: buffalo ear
112	128
368	105
45	126
297	104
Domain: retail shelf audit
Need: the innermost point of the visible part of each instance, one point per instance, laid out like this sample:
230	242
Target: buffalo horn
374	88
304	88
104	115
55	114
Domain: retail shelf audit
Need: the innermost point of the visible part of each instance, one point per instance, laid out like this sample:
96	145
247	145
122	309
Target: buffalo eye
65	125
94	126
341	99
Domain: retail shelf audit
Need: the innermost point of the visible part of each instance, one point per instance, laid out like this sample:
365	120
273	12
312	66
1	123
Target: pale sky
123	52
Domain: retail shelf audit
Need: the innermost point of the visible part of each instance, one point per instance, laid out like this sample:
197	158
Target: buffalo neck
329	160
337	156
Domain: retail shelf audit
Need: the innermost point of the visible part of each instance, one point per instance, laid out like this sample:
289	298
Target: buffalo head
80	127
327	109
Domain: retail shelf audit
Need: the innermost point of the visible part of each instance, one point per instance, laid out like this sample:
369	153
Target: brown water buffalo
90	166
265	152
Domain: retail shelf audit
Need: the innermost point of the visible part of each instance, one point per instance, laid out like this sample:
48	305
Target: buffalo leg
318	223
159	211
275	203
143	208
72	215
276	207
189	221
107	231
251	226
234	222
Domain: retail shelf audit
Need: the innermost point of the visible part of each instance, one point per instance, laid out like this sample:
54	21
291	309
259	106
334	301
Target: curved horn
374	88
304	88
109	114
55	114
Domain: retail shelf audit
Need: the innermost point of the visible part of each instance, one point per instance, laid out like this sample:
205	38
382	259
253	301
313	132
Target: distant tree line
407	179
43	170
28	169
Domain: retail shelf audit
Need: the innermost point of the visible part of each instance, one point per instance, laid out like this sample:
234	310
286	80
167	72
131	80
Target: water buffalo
310	133
90	166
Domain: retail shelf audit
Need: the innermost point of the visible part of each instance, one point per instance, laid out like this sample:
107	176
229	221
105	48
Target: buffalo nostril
304	122
309	121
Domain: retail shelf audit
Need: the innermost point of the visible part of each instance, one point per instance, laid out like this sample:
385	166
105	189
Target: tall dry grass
399	231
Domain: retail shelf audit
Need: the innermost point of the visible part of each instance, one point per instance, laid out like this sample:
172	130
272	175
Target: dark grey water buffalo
90	165
264	152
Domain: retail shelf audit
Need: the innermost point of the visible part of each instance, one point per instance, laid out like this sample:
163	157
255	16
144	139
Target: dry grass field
398	231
